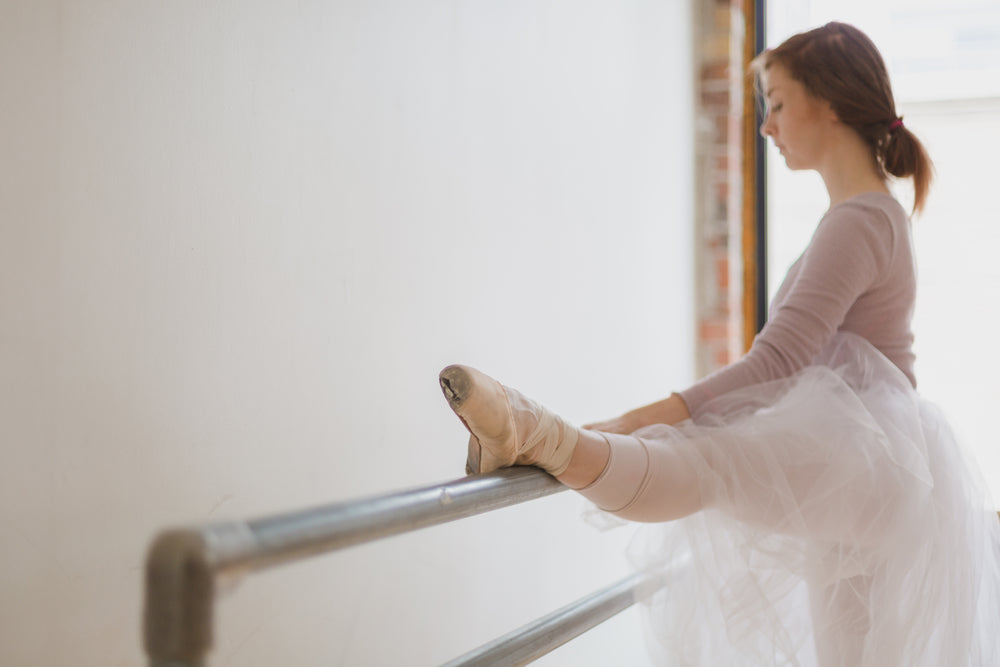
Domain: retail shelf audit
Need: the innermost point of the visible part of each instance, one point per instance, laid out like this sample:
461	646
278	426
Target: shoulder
879	211
873	208
871	222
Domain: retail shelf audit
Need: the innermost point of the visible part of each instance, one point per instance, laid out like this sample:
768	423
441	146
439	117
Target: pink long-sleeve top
857	274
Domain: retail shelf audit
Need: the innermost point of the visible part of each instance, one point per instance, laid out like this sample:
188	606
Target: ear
828	112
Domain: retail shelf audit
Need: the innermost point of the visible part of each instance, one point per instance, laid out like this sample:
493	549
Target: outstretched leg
638	480
620	473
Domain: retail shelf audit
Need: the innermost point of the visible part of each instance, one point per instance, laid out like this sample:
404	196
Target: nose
767	127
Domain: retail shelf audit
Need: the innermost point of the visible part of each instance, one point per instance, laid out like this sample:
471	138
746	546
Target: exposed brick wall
719	182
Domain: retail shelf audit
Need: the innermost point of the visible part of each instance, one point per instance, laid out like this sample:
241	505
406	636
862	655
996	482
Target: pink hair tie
896	124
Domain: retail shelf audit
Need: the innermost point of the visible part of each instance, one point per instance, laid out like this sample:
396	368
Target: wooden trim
752	306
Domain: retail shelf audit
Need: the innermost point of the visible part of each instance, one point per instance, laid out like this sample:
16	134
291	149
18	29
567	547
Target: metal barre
535	639
182	564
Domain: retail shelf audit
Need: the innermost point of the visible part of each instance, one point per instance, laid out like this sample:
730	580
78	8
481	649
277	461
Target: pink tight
640	485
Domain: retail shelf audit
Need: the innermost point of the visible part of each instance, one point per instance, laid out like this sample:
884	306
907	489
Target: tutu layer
842	526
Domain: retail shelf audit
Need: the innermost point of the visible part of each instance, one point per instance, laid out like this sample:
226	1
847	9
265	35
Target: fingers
610	426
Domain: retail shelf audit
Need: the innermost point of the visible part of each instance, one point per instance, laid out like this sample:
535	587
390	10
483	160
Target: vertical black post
760	177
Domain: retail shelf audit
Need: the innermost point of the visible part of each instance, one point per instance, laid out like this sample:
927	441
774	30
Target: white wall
239	239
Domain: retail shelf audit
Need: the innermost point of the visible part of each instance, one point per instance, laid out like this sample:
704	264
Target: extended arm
847	254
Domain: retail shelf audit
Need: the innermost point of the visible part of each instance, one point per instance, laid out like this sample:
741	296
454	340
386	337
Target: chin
795	166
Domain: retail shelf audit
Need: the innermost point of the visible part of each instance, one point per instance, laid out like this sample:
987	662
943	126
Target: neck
849	168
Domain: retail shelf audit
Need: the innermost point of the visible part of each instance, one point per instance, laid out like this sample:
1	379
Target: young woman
823	509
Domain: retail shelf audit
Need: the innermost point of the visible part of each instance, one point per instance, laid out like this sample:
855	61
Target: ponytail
902	156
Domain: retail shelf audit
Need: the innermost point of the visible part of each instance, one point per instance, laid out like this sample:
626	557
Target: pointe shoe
506	428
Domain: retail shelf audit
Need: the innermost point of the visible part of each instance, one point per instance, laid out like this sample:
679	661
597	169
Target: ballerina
825	508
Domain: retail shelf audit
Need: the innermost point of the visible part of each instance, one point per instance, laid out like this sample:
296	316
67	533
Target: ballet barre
185	565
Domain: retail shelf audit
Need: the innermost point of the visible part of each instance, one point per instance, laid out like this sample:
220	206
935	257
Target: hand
622	424
671	410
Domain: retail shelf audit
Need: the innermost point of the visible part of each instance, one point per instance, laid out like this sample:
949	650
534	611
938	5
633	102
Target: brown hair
839	64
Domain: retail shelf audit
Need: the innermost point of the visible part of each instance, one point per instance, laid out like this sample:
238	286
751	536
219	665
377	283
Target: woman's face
796	122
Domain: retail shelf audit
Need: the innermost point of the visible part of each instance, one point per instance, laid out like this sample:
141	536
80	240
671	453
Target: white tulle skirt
843	526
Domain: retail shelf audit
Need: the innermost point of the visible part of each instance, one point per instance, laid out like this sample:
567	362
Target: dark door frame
754	242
